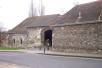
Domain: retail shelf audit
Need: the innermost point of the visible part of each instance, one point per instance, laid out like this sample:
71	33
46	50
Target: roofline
88	2
79	23
76	23
17	32
39	26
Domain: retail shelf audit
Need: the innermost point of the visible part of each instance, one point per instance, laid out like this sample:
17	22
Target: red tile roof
35	21
89	12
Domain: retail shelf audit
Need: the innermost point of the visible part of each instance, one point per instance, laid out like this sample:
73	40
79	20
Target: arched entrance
48	36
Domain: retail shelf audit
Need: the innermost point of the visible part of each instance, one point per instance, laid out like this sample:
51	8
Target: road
46	61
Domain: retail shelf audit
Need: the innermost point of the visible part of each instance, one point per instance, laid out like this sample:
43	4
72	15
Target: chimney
100	17
79	17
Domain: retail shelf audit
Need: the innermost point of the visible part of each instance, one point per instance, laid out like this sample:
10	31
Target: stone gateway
79	30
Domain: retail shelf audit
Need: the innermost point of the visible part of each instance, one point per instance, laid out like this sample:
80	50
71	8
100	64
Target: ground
31	60
9	65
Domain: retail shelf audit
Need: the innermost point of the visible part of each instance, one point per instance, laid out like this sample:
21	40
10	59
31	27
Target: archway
48	35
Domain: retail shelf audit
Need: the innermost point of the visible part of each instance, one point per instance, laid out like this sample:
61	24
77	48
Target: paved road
45	61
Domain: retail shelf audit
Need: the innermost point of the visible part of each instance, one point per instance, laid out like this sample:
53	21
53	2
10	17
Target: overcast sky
13	12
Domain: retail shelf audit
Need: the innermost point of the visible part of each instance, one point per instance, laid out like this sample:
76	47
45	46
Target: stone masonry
78	38
16	40
82	37
36	36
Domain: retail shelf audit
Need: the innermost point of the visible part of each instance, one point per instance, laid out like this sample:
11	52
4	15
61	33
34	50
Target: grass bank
9	48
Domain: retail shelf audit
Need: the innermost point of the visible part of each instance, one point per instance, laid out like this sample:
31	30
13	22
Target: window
13	41
21	41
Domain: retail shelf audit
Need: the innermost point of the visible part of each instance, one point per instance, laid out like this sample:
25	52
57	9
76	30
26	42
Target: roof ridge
72	15
41	16
89	2
48	15
35	21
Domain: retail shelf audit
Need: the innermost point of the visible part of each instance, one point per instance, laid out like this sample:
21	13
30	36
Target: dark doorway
48	36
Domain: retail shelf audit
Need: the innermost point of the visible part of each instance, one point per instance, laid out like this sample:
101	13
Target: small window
13	41
21	41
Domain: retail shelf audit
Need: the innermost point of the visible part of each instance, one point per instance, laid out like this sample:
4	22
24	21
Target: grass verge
9	48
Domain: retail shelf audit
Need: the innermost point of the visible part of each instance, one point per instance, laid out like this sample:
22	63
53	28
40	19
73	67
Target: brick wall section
16	40
78	38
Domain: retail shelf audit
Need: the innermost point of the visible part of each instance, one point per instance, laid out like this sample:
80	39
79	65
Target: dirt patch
8	65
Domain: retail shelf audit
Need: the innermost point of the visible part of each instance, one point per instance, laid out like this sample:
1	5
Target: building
18	36
79	30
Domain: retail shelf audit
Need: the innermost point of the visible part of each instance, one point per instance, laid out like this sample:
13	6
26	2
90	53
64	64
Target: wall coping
17	32
39	26
76	23
79	23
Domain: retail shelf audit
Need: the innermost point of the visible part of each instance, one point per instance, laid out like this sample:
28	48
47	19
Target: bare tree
75	2
2	34
41	8
36	9
62	11
32	9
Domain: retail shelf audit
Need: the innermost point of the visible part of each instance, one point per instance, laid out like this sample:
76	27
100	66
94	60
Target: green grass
9	48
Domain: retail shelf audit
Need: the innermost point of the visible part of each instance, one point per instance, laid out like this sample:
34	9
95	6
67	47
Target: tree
41	9
62	11
32	9
36	9
2	34
75	2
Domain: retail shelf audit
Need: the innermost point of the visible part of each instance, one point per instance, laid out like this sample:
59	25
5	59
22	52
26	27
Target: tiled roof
88	11
35	21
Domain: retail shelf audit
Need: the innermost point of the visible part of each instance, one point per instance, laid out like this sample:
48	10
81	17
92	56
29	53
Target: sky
13	12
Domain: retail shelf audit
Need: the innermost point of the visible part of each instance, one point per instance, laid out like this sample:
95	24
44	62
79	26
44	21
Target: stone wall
85	37
16	40
36	36
78	38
